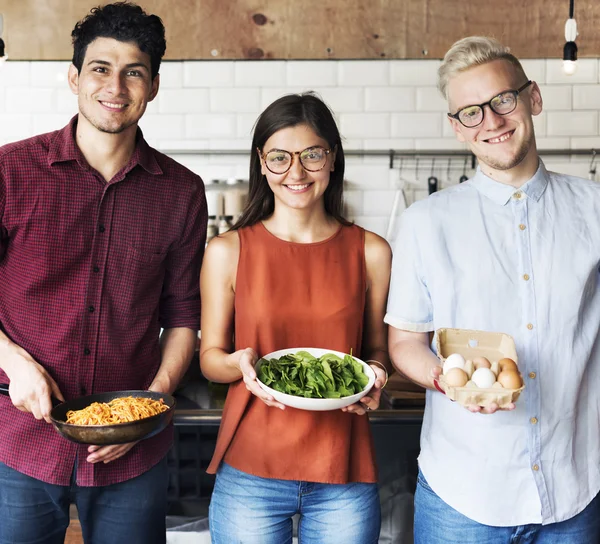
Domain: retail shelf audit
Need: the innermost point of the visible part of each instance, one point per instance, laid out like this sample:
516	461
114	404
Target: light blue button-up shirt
484	255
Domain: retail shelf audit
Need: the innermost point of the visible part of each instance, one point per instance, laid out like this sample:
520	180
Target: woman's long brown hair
289	111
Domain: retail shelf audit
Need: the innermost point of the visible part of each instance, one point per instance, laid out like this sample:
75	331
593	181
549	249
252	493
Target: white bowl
317	405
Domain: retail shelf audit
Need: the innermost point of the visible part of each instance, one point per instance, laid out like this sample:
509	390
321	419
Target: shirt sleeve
409	303
180	297
3	231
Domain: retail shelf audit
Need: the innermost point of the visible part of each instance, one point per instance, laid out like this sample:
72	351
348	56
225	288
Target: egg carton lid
473	343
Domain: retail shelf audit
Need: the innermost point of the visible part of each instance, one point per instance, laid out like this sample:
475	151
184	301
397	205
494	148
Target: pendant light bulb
570	48
569	67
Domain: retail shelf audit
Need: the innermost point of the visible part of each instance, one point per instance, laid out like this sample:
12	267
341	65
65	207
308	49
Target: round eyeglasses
502	104
280	161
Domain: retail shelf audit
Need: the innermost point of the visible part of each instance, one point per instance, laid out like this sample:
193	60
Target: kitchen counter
201	403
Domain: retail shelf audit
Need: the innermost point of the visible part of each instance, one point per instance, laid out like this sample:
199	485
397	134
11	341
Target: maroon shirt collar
64	148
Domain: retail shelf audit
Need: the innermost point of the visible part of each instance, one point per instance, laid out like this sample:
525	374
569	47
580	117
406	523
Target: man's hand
106	454
30	384
436	372
492	408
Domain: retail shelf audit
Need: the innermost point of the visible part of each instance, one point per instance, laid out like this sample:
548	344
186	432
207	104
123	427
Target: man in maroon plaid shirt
101	241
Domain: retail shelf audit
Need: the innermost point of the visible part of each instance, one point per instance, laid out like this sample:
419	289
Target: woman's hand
245	359
371	400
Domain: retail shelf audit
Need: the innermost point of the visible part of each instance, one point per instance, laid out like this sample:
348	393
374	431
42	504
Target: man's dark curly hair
121	21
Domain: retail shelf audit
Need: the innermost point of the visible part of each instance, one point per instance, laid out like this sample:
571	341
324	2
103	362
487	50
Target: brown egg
507	364
510	379
456	377
481	362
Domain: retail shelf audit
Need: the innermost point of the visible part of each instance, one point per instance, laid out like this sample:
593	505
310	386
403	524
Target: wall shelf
393	154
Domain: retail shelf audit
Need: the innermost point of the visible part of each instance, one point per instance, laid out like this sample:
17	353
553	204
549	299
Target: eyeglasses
502	104
280	161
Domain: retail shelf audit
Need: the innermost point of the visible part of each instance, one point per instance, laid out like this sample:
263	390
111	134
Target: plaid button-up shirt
89	273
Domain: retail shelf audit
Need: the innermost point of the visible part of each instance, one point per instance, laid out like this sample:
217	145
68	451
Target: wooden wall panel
316	29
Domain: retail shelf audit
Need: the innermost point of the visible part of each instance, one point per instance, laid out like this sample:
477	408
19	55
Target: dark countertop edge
195	417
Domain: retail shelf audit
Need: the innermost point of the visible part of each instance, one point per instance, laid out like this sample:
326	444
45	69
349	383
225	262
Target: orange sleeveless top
297	295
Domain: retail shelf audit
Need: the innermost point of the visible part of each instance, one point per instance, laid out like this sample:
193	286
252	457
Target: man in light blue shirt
516	249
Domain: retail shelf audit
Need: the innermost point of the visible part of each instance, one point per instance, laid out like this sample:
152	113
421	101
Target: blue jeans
438	523
246	509
131	512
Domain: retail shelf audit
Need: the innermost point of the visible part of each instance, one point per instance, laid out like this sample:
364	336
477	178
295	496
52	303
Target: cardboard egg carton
470	343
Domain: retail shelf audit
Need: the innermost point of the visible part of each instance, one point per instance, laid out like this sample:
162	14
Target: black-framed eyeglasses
279	161
502	104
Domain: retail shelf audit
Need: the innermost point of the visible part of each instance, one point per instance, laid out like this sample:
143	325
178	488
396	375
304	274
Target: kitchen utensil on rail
103	435
398	207
432	181
432	184
592	168
464	176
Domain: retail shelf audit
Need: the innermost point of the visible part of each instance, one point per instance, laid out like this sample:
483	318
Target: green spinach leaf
303	375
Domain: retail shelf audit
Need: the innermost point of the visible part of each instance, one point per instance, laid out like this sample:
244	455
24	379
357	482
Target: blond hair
473	51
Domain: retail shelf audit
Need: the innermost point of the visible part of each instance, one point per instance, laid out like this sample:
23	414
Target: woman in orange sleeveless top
293	273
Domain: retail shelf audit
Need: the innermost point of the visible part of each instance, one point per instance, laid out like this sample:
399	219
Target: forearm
415	360
380	355
219	366
378	257
177	347
10	353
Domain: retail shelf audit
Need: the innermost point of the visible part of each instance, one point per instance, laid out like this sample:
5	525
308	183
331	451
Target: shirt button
529	326
96	269
535	467
532	375
525	277
101	228
533	420
522	227
517	195
86	351
91	309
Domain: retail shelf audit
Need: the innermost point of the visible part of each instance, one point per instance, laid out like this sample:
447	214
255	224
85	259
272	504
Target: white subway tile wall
379	105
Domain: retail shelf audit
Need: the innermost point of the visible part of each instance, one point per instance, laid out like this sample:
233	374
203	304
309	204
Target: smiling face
504	144
114	85
297	188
